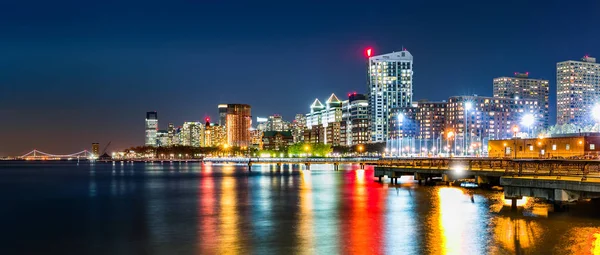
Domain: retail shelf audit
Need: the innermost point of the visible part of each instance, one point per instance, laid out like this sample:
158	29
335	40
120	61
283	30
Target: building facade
151	128
488	118
431	117
297	127
276	123
568	146
323	123
238	123
578	90
356	122
192	134
96	149
162	138
222	114
521	86
277	140
404	129
390	78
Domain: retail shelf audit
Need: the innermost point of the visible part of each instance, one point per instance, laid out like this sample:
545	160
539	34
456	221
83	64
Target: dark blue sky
77	72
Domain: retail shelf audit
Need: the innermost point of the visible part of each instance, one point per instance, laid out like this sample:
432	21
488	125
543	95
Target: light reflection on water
187	208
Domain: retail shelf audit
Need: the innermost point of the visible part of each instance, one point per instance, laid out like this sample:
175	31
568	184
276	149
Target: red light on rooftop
369	52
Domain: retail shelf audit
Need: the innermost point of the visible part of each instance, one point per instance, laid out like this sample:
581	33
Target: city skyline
84	99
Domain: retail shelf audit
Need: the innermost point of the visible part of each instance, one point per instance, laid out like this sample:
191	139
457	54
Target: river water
187	208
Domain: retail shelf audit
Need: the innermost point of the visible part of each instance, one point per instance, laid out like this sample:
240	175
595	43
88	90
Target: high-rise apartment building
390	78
222	114
162	138
96	149
298	126
323	123
521	86
151	128
276	123
192	134
578	90
487	118
431	117
238	122
356	117
171	135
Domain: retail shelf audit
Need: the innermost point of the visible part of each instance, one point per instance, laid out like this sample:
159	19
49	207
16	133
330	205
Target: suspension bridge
40	155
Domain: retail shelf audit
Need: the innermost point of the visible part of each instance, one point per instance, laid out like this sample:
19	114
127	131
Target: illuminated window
554	147
568	147
592	146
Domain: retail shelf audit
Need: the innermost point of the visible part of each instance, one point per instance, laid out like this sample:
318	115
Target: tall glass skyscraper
151	128
390	86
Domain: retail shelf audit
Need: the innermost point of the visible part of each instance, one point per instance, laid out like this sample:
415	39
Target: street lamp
528	120
467	106
515	131
449	135
360	149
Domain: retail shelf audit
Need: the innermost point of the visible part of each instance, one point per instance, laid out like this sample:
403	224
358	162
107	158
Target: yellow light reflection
451	220
229	234
305	215
595	244
516	235
520	202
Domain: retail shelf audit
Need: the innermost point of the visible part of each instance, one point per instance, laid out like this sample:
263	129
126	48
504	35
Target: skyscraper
238	122
521	86
151	128
323	123
356	117
171	135
222	114
389	86
96	149
578	90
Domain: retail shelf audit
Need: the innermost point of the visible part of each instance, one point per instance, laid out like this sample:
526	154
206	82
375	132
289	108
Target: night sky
75	72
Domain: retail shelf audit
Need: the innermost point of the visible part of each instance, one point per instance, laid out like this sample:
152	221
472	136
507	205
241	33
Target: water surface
188	208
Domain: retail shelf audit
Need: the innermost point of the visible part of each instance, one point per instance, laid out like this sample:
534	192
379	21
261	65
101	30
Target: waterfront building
192	134
261	123
276	123
488	118
238	124
151	128
390	78
521	86
96	149
564	146
277	140
222	114
323	123
578	90
297	127
214	135
256	138
403	130
171	135
162	138
431	119
355	115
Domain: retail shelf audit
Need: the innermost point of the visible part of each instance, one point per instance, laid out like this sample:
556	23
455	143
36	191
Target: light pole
467	106
528	120
515	131
450	135
400	134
